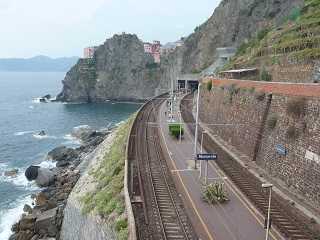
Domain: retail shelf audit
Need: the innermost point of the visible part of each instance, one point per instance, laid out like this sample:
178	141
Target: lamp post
196	130
268	186
180	123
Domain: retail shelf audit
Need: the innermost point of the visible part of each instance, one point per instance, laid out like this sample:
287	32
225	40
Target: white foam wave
20	180
10	216
23	133
37	136
71	139
119	123
47	164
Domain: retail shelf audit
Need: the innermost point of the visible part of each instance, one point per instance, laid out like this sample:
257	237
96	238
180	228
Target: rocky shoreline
43	220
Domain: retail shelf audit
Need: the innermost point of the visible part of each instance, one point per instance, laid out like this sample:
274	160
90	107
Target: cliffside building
88	52
154	49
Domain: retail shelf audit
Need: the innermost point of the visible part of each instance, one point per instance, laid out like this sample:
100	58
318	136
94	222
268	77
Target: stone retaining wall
286	142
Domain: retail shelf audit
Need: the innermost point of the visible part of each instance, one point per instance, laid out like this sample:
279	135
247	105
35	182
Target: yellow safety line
187	192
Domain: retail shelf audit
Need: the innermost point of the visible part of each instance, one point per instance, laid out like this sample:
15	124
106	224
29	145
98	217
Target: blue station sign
207	156
281	150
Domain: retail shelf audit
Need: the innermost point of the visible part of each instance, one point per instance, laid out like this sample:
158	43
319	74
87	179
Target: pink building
88	52
154	49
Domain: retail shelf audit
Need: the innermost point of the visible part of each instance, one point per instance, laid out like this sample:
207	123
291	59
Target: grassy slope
108	199
298	40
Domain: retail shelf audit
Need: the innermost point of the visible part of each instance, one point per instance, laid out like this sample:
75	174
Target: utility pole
196	130
268	186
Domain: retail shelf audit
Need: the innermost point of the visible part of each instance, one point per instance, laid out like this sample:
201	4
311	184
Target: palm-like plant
215	193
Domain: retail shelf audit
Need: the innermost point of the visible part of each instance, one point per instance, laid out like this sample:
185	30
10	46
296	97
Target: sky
59	28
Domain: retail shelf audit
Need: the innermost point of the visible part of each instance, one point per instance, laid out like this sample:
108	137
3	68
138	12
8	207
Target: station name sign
207	156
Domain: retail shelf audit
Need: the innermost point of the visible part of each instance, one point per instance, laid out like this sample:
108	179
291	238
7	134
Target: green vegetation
294	14
233	90
260	96
297	107
272	121
152	65
214	193
195	71
265	75
209	86
175	129
107	199
292	133
296	40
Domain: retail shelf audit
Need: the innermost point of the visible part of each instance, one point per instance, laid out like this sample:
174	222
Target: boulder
22	235
27	209
11	173
27	223
63	154
46	223
41	199
82	132
42	133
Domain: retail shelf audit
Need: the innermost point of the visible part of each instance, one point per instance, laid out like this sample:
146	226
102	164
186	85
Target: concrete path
235	220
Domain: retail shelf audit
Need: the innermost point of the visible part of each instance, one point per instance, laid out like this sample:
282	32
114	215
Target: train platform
236	219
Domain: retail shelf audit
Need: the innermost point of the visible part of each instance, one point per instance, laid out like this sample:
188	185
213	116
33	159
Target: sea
22	117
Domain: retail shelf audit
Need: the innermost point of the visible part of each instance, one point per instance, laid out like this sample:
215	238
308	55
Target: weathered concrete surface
75	224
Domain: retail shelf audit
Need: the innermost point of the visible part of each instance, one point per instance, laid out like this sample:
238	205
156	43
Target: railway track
292	225
157	207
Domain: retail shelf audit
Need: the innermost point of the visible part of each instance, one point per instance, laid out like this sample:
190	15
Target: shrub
275	60
214	193
209	85
260	96
292	133
294	14
296	107
121	224
262	33
233	90
151	65
272	121
195	71
174	129
265	76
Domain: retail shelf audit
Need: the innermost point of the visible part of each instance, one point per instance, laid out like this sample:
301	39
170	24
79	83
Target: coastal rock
41	199
46	223
11	173
27	223
63	154
27	209
22	235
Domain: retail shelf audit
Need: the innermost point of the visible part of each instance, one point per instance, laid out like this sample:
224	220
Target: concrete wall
250	109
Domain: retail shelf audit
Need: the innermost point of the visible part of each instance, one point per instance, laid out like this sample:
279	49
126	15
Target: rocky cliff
232	22
121	70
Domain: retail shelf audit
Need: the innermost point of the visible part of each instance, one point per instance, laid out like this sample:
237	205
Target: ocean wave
10	216
23	133
71	140
119	123
20	180
37	136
